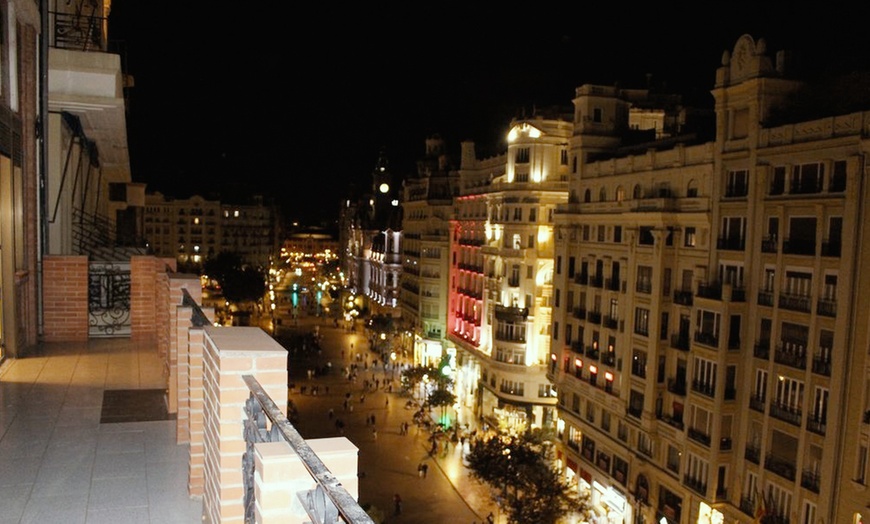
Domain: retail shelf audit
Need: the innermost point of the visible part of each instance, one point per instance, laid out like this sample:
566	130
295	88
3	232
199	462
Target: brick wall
65	312
230	353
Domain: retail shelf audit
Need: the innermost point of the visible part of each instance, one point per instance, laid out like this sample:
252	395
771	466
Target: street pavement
388	460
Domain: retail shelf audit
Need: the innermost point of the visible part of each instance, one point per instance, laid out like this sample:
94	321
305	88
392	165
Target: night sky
296	103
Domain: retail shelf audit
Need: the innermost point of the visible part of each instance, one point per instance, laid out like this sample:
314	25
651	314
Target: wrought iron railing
328	502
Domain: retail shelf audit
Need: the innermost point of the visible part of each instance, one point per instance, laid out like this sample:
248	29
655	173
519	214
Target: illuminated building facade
371	243
427	206
501	272
194	229
710	333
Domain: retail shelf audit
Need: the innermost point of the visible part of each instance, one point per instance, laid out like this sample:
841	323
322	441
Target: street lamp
392	365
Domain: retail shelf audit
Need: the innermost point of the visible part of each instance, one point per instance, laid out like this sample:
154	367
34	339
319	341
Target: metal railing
328	502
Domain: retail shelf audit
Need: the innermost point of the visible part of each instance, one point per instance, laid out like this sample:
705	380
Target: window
820	405
704	376
732	233
674	456
601	233
737	184
802	236
644	279
597	115
697	470
533	214
777	181
645	236
692	189
760	392
808	514
641	321
780	500
838	177
522	155
617	234
571	264
789	393
807	178
689	237
861	464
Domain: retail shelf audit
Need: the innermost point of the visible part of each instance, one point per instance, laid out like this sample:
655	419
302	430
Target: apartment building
427	206
710	330
501	272
193	229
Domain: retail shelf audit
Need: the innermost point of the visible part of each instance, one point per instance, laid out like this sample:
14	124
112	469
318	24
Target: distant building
371	243
427	207
501	272
194	229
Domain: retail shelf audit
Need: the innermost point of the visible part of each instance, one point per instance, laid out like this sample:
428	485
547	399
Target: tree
521	472
441	397
239	283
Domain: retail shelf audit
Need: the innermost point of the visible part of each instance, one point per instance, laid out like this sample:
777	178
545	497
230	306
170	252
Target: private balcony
184	423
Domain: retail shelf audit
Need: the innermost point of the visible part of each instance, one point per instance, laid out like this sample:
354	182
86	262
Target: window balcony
594	317
580	313
708	339
711	291
801	303
685	298
768	245
762	349
785	412
731	244
597	281
699	436
790	358
765	298
581	278
704	388
826	307
817	425
782	467
752	454
756	403
680	341
822	365
798	247
610	322
810	480
696	485
677	387
831	249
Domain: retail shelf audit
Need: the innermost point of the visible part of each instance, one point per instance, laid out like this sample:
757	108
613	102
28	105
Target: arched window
602	195
636	194
587	196
620	194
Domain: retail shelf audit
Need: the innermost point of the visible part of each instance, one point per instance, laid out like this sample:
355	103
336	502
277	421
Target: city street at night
388	460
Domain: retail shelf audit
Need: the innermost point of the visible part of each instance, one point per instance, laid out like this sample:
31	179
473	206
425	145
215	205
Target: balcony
817	425
782	467
594	317
610	322
798	247
731	244
698	436
684	298
762	349
786	413
597	281
125	408
696	485
826	307
752	454
708	339
677	387
705	388
581	278
680	341
795	359
810	480
580	313
765	298
756	403
711	291
801	303
822	365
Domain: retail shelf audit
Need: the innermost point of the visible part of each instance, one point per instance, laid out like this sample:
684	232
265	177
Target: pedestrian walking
425	469
331	413
374	433
420	470
397	502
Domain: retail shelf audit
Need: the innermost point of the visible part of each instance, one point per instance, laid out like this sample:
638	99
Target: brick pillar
176	333
192	429
230	353
65	280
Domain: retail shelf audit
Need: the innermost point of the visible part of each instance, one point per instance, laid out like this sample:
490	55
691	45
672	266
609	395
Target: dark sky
296	103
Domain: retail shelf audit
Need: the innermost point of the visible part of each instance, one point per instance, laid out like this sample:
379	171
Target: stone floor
85	438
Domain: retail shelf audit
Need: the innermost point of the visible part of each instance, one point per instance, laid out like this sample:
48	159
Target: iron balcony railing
329	502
